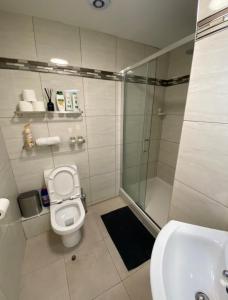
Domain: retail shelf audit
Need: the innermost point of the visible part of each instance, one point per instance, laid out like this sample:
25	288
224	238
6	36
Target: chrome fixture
225	273
77	140
201	296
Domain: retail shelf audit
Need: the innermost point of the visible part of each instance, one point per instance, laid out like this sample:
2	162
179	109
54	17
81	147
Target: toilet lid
63	183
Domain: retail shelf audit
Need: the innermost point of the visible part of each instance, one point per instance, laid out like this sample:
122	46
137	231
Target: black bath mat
133	241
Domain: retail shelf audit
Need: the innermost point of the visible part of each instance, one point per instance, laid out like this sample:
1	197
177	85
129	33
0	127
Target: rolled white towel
48	141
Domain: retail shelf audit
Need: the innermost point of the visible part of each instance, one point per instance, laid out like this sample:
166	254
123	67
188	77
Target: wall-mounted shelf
48	113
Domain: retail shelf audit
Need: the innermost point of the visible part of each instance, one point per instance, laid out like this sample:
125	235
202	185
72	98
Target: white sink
187	259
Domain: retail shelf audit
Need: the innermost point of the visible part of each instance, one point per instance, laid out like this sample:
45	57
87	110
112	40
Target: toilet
66	209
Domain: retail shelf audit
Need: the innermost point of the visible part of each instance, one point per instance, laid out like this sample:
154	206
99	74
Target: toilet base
72	239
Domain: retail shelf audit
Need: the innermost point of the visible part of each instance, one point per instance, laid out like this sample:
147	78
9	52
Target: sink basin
189	259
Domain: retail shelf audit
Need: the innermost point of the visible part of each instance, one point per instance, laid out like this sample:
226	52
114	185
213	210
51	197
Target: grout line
205	195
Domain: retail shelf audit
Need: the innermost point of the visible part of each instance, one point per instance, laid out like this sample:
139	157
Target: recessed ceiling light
100	3
59	61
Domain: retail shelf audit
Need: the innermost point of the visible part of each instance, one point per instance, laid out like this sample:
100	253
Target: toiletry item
60	101
4	204
75	101
38	106
68	101
25	106
28	138
29	95
48	141
44	197
50	105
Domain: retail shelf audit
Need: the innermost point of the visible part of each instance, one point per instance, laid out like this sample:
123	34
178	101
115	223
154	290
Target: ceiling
154	22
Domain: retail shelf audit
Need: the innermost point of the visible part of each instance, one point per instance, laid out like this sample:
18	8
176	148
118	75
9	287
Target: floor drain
201	296
73	258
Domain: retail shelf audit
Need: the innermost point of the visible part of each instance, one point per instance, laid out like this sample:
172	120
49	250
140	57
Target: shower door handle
146	145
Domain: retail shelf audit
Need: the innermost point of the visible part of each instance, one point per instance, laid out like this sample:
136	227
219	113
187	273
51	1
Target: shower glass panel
136	131
154	104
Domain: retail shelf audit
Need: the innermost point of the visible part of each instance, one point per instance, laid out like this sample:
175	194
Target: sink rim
159	250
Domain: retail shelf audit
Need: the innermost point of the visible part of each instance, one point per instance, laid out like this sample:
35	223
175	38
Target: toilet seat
63	183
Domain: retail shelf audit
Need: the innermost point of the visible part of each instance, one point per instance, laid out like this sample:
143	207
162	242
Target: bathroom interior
113	150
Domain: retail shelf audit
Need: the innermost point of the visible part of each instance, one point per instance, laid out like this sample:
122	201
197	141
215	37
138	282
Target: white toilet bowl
66	209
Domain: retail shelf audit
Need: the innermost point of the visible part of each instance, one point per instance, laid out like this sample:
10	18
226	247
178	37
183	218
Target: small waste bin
29	203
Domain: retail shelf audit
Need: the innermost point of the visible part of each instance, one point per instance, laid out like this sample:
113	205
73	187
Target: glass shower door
138	101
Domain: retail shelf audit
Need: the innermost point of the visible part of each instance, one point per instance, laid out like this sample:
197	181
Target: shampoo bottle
60	101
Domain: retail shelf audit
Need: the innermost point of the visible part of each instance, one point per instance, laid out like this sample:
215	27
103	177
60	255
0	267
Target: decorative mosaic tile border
212	24
43	67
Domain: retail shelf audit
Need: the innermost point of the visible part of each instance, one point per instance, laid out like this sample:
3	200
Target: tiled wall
12	239
200	193
98	159
179	64
166	130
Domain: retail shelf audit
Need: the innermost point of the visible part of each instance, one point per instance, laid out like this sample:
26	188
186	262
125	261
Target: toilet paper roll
48	141
29	95
38	106
4	204
25	106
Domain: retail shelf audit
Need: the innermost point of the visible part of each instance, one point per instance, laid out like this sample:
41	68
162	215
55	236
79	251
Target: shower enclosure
154	102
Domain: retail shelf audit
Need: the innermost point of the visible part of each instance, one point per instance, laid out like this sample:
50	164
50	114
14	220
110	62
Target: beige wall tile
193	207
202	162
57	40
128	53
165	172
207	8
12	240
103	187
175	99
171	128
100	98
208	87
102	160
65	130
168	153
63	82
101	131
35	226
98	50
12	130
179	61
17	36
12	84
78	158
28	173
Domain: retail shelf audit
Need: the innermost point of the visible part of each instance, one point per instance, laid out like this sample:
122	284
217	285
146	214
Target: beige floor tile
90	235
42	250
92	274
118	262
108	205
138	284
48	283
116	292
